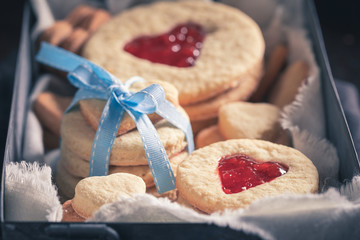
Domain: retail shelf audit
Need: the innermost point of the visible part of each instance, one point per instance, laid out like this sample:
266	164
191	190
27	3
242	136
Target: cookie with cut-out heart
201	47
233	173
91	109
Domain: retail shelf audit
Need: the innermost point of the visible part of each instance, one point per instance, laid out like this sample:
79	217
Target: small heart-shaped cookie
93	192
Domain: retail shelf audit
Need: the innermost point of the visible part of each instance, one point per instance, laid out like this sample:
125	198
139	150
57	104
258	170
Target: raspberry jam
180	47
240	172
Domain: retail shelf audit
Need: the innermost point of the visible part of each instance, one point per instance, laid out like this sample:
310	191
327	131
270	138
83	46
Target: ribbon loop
83	77
94	82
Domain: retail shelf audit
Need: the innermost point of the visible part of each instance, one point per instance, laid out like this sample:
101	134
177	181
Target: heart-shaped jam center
240	172
179	47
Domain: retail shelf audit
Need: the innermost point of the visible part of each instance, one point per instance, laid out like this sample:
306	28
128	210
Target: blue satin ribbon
94	82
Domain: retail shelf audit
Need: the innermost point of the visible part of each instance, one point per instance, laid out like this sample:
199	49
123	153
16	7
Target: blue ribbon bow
94	82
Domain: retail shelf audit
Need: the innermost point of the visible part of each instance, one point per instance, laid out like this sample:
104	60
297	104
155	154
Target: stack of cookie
212	53
78	130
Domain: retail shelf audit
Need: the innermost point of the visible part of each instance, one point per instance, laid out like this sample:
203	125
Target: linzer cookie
232	174
182	43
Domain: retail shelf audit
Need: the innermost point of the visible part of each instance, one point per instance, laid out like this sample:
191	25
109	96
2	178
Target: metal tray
337	132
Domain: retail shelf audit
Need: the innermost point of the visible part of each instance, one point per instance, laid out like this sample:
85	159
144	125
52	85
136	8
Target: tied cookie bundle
115	142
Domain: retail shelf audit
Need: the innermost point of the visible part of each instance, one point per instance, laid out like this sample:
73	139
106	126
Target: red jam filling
180	47
240	172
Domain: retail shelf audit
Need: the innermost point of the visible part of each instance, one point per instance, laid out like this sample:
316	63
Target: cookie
127	150
93	192
181	201
274	65
50	139
209	109
49	109
75	41
56	33
230	46
197	126
249	120
233	173
80	168
91	109
172	195
94	20
65	182
69	214
245	120
77	16
287	86
208	136
72	32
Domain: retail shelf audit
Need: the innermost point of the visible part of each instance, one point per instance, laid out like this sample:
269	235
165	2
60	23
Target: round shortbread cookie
65	182
199	182
93	192
197	126
79	167
127	150
92	109
233	46
249	120
209	109
208	136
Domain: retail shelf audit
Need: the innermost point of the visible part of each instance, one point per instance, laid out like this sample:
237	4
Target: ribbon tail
172	115
105	137
59	58
155	153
